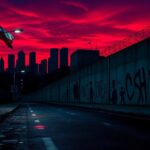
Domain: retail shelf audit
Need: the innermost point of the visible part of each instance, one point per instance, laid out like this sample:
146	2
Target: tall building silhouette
11	63
32	58
20	61
64	58
43	67
82	58
53	60
33	67
1	65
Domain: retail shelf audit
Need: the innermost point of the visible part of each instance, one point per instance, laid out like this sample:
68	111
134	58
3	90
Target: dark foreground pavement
6	109
41	127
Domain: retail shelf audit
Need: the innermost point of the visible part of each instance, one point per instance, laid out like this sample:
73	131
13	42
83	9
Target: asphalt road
41	127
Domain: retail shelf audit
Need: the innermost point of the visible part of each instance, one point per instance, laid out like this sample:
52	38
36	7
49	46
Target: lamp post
22	78
8	38
15	87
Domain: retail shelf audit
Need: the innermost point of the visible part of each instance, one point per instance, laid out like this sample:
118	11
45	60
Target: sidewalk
132	110
6	109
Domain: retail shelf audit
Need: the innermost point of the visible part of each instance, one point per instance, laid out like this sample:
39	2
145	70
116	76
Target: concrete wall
122	78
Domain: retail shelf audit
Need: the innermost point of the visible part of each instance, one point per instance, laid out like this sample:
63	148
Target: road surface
43	127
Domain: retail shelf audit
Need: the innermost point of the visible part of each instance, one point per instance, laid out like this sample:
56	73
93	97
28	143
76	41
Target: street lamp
7	37
18	31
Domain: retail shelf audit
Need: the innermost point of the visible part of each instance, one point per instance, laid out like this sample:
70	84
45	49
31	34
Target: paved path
41	127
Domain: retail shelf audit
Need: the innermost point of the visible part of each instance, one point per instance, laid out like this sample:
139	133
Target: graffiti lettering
114	97
128	85
140	84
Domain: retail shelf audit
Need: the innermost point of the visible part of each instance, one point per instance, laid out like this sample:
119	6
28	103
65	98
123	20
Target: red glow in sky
71	23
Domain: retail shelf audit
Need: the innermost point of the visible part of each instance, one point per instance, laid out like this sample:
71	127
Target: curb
5	115
136	120
107	111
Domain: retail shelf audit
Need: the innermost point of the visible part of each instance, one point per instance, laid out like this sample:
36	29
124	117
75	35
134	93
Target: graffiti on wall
114	97
135	87
122	95
132	88
96	91
137	83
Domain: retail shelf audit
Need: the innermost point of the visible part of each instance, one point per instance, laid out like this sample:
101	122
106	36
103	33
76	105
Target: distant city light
22	71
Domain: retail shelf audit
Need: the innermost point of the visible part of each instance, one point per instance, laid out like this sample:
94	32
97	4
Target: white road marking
24	127
9	141
71	113
33	115
37	121
49	144
30	109
107	124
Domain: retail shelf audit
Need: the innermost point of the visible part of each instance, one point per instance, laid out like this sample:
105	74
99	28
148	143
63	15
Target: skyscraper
64	58
1	65
20	61
33	68
53	60
32	58
43	67
11	63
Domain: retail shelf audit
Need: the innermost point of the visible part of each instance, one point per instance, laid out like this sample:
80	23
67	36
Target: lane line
30	109
71	113
37	121
33	115
49	144
107	124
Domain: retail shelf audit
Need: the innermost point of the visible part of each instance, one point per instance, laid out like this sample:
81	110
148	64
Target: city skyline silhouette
73	24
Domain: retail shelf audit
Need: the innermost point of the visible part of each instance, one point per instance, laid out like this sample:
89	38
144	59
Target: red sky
71	23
